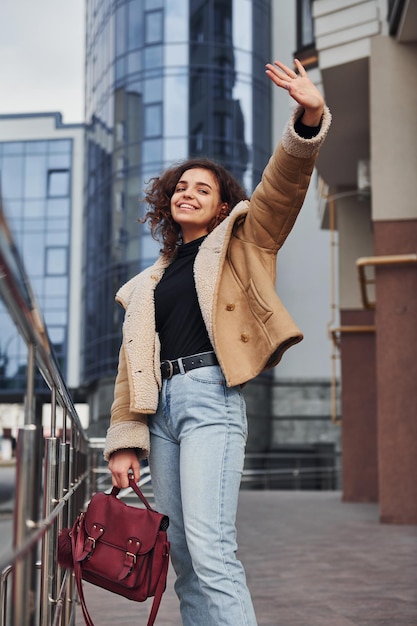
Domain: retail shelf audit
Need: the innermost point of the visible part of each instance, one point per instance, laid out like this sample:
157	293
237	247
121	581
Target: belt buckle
170	370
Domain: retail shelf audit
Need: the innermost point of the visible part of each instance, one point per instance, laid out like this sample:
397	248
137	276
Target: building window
120	132
56	262
305	24
223	80
58	183
222	22
197	140
223	131
134	26
153	120
154	27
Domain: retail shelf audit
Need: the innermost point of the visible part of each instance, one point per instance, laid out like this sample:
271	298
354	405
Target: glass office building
37	188
165	80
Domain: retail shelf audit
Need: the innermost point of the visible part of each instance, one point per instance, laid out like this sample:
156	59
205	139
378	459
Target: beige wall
393	92
355	240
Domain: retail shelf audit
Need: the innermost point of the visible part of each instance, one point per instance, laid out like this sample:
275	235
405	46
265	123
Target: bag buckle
92	543
132	556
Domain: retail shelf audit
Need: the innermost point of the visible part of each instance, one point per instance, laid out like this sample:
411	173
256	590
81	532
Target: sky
42	57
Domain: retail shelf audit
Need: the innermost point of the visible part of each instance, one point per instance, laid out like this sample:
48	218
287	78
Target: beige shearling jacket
235	272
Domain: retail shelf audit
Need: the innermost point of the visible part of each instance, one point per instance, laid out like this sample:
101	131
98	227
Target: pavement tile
311	560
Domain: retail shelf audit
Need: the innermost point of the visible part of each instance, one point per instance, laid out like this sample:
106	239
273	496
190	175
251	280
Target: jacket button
230	307
244	337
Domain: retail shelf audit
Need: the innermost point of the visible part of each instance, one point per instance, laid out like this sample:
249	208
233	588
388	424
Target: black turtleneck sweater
177	312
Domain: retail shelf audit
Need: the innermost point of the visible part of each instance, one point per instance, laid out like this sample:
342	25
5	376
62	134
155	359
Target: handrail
349	329
363	262
53	475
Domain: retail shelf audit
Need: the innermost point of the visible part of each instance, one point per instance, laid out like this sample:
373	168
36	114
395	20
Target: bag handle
134	486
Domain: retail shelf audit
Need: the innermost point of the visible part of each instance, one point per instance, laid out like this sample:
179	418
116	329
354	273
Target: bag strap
160	588
155	604
134	486
77	573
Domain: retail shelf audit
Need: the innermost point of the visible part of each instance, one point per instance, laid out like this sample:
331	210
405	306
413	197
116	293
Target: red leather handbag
118	547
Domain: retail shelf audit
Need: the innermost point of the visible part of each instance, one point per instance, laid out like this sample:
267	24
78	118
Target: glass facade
165	80
35	186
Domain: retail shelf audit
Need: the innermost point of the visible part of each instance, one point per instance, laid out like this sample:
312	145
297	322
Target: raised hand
300	87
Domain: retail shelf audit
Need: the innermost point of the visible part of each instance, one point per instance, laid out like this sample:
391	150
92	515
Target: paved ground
311	560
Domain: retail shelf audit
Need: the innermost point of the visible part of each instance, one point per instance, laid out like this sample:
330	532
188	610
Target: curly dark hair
160	189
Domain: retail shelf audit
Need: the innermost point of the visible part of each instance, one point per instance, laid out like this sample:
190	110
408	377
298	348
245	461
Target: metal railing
53	474
379	261
293	470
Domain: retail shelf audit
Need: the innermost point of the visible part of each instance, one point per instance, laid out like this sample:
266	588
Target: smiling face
196	202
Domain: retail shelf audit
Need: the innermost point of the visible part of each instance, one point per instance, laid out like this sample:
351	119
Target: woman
200	323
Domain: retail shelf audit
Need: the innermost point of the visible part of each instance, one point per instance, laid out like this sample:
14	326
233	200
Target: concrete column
396	322
393	88
358	399
358	392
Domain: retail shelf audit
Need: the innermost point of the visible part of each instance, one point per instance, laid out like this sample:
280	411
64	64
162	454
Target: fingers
122	464
282	75
300	68
287	70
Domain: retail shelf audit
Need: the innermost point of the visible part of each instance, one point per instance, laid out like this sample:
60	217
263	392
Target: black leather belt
187	363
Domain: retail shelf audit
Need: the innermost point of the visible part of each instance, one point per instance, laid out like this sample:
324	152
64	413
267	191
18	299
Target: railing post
27	507
63	520
49	585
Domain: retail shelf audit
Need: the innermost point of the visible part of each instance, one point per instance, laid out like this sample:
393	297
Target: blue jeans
198	438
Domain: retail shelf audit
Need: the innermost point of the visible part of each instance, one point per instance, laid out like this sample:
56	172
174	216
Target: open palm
300	87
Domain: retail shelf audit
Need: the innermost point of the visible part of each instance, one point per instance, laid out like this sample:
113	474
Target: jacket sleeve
127	429
277	200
